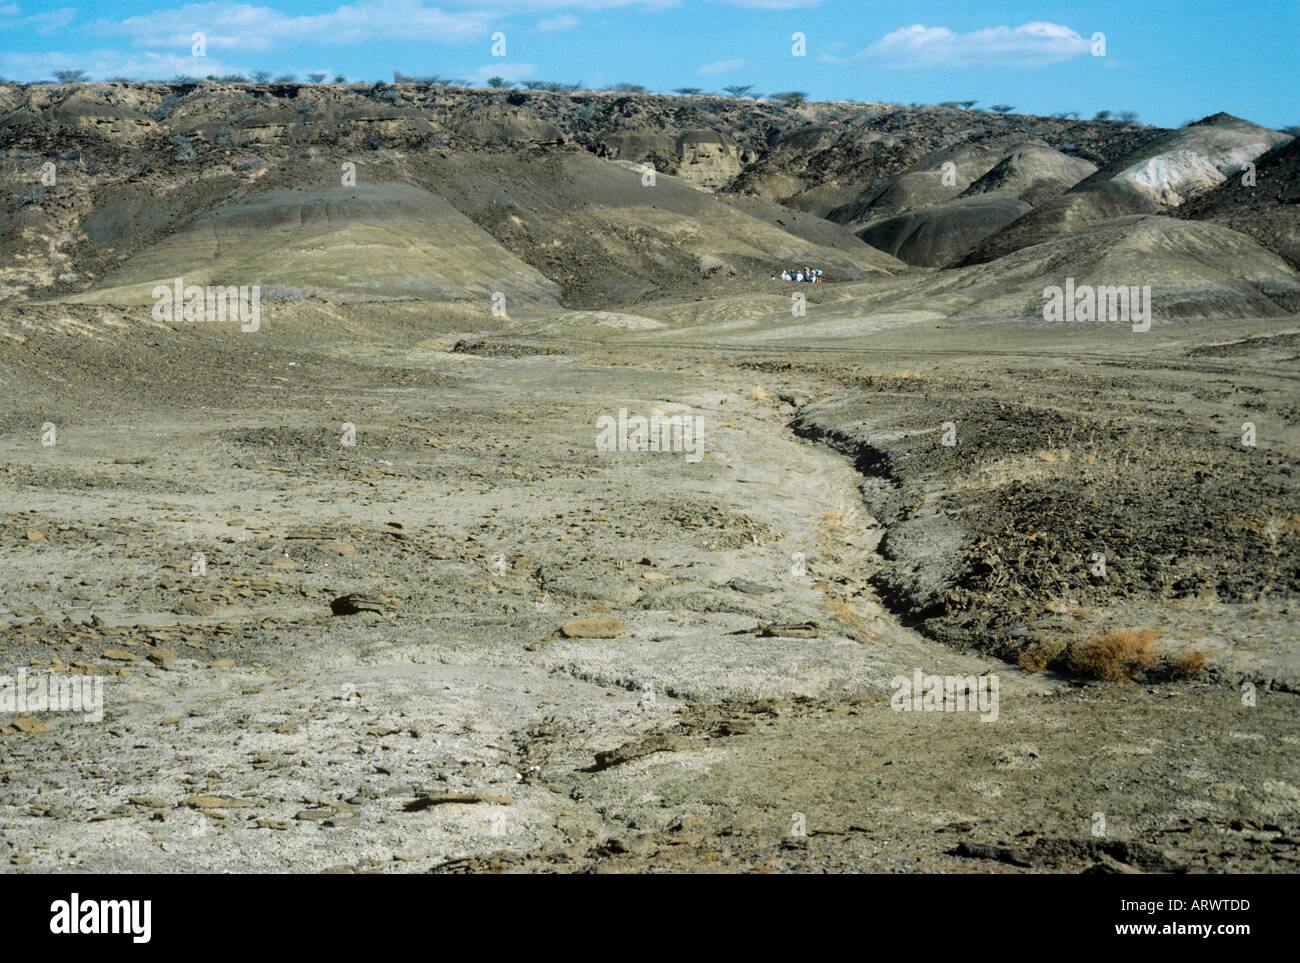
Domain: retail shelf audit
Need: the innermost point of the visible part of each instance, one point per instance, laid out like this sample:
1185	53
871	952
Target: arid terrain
366	591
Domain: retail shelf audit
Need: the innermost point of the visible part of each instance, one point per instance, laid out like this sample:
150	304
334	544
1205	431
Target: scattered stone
1098	856
659	742
338	548
605	589
352	604
118	655
161	656
30	724
195	607
214	802
311	814
750	588
800	630
598	628
424	802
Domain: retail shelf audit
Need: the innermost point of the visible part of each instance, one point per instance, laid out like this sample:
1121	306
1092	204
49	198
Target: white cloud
46	22
723	66
770	4
551	24
102	64
241	26
503	8
1031	44
246	26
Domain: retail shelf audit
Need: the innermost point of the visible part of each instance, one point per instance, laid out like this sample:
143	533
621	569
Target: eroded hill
596	200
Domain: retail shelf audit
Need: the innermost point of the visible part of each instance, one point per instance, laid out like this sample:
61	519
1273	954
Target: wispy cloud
1029	45
723	66
102	64
247	26
552	24
47	21
241	26
770	4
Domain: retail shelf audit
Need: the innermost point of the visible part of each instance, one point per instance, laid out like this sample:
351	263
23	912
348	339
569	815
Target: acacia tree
739	90
791	98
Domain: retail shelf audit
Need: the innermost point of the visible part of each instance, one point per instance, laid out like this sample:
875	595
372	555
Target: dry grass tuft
855	626
835	521
1068	607
839	518
1188	665
1041	653
1116	656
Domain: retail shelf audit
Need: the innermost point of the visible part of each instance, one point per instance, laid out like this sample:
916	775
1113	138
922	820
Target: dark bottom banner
217	913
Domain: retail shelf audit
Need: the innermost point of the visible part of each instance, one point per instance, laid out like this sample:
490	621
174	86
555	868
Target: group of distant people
811	275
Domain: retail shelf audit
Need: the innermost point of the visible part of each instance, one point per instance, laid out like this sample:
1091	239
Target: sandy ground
740	717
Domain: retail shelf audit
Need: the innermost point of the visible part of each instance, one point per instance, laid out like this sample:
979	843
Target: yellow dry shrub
1116	656
1188	665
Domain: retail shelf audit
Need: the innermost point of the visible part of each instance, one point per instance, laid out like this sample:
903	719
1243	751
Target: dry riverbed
571	659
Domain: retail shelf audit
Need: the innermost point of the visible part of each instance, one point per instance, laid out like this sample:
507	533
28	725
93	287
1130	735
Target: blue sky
1168	60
